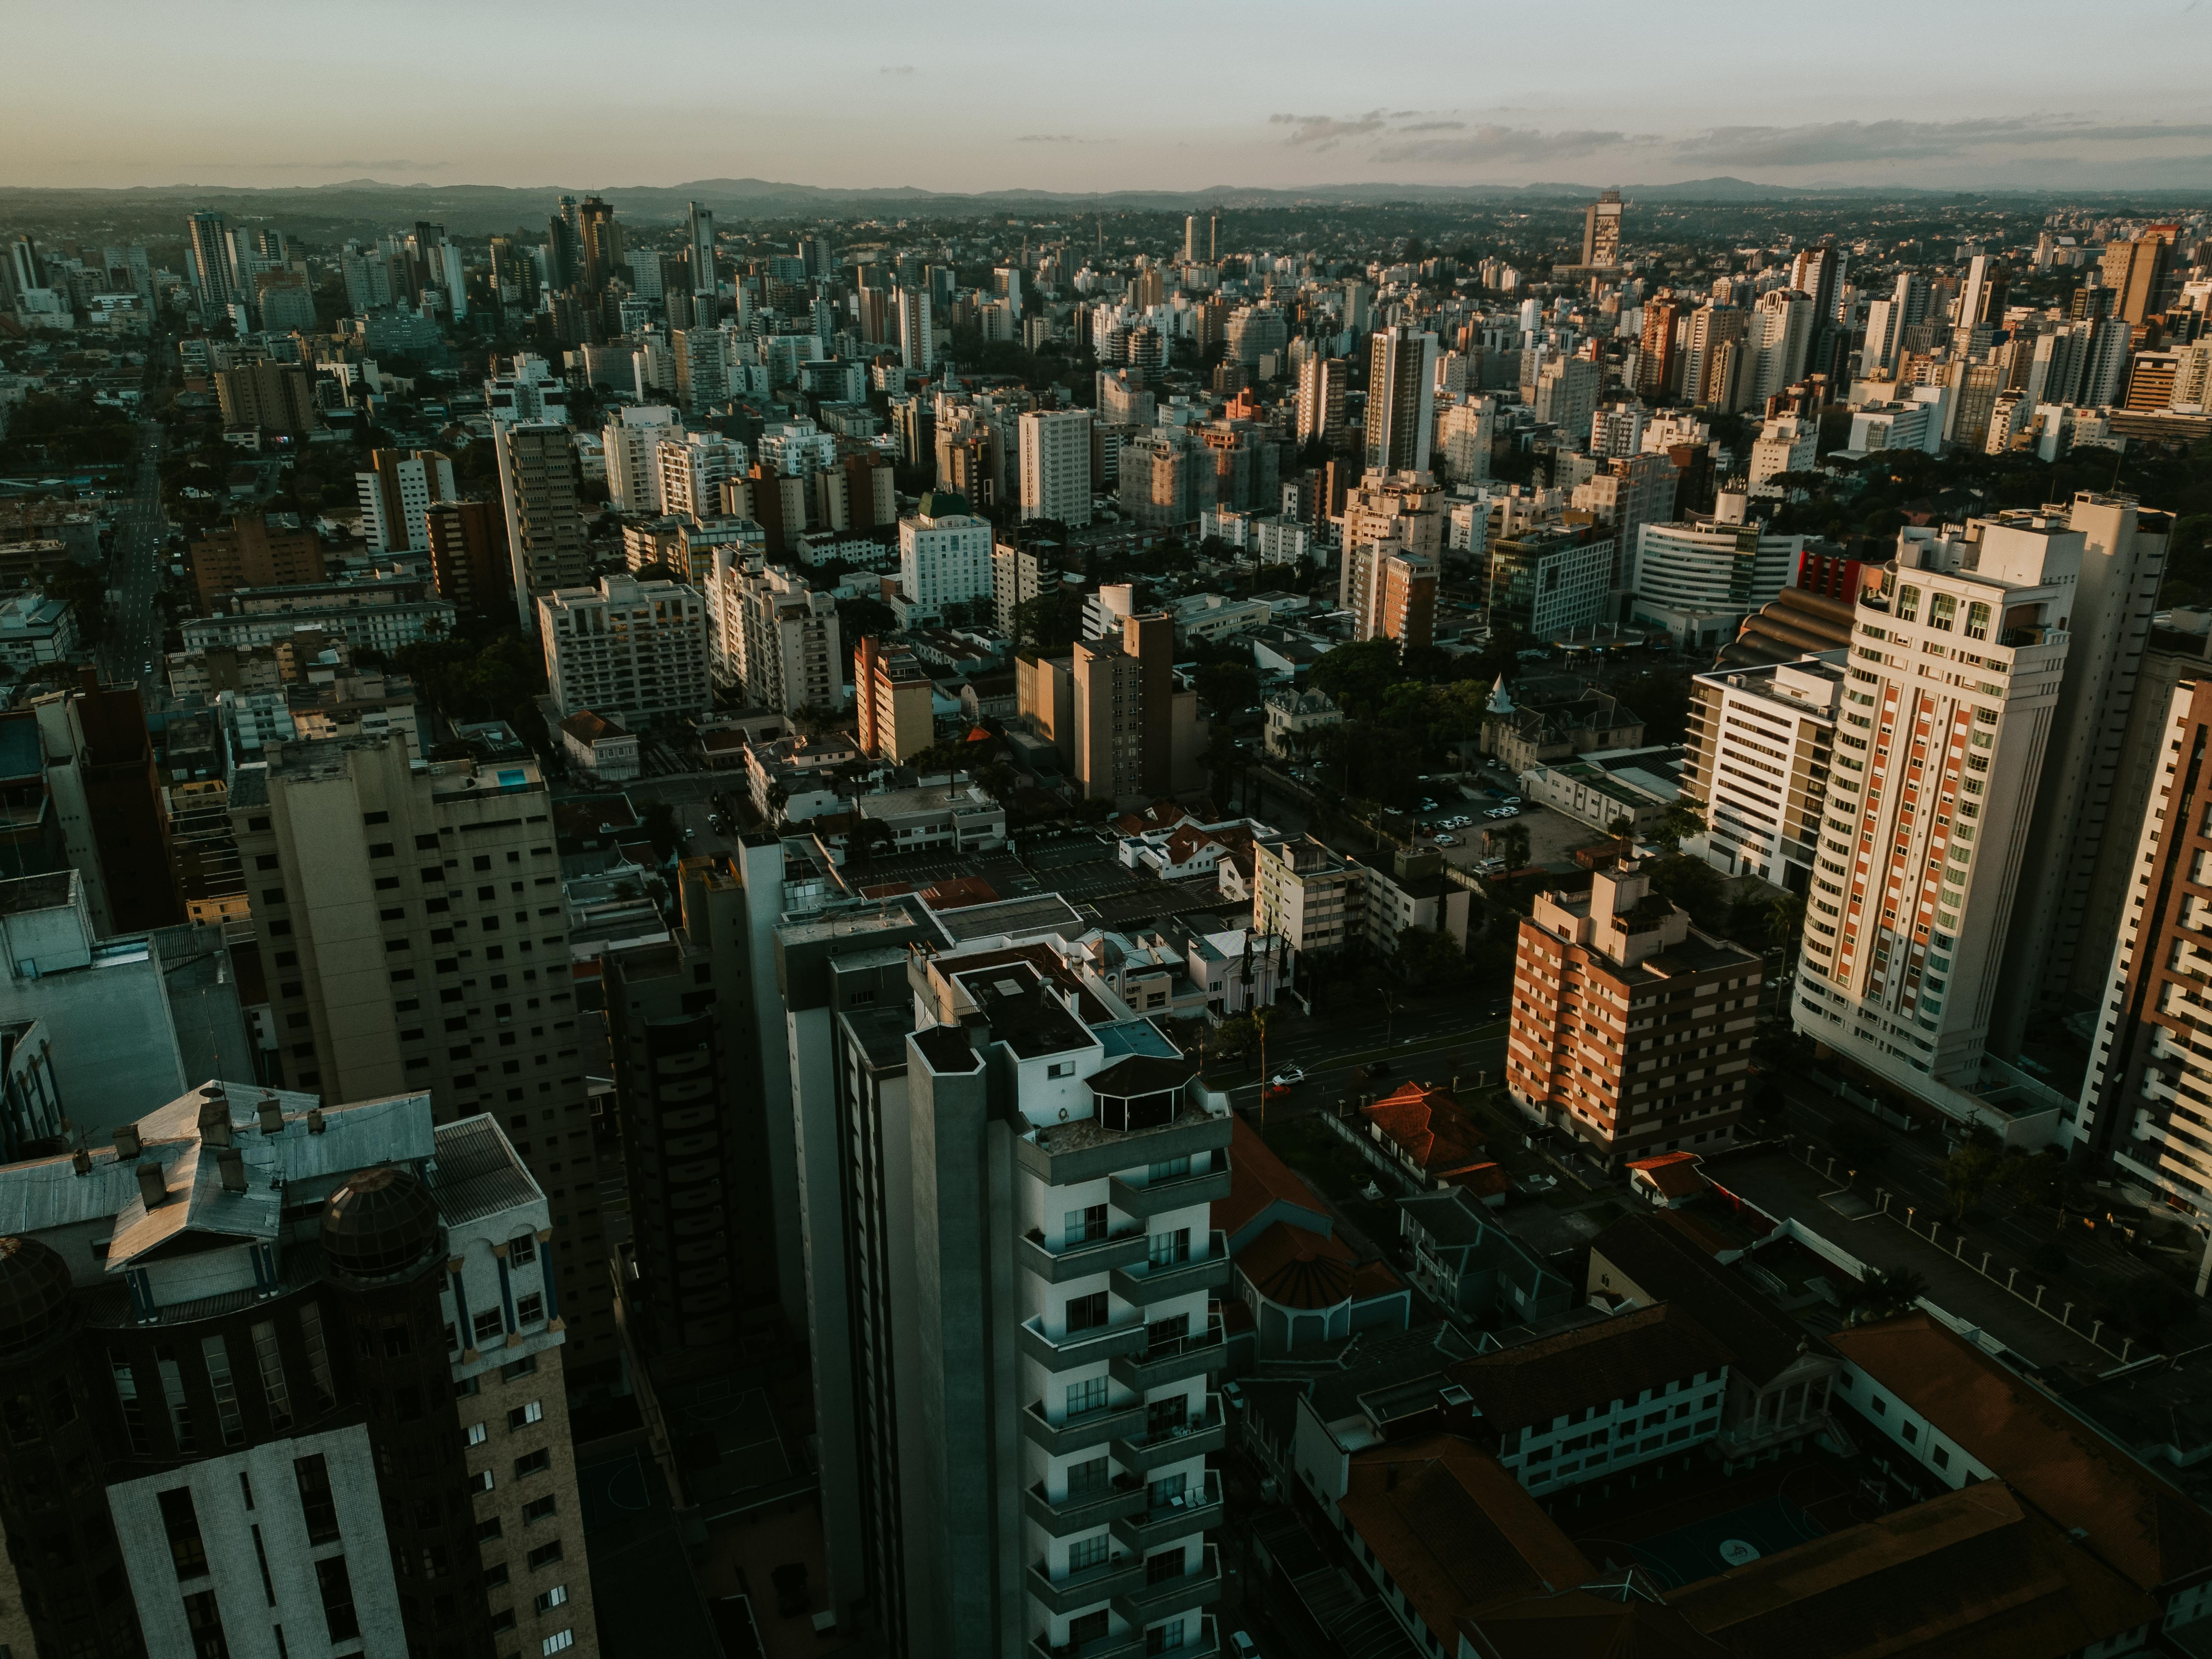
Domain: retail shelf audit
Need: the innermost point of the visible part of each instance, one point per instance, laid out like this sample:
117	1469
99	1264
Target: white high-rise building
692	468
632	438
1401	418
395	494
944	553
1463	440
634	651
1617	429
1782	325
917	345
1977	737
1055	465
774	637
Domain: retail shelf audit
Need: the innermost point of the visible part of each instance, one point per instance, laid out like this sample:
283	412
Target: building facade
633	651
544	528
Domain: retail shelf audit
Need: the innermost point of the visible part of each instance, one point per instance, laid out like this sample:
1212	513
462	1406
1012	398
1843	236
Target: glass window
1087	1552
1941	607
1086	1313
227	1416
181	1522
337	1586
1908	603
1086	1396
316	1501
1165	1249
1977	621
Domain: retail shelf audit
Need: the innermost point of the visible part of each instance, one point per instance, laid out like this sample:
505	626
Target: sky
989	94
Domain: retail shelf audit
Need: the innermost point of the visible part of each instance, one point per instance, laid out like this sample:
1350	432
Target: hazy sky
978	94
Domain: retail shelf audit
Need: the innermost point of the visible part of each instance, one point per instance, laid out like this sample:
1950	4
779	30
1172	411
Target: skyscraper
699	226
917	345
1055	465
544	528
600	238
1982	301
1322	382
1400	417
1658	367
209	235
2136	272
1601	231
395	494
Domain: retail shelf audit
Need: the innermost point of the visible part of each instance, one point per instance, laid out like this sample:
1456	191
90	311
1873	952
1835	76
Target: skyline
1015	100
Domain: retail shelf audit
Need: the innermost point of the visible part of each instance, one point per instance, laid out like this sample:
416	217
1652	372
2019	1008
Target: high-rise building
1133	732
1464	435
1631	1030
1400	512
631	442
395	494
692	467
411	936
1761	746
1626	493
917	345
1709	357
1400	418
1054	447
1322	383
544	525
1601	231
208	236
2135	271
699	241
344	1428
1778	338
255	550
944	552
1567	391
1982	300
469	564
634	651
893	700
269	396
1394	594
1657	363
1617	430
103	796
600	242
1967	810
772	636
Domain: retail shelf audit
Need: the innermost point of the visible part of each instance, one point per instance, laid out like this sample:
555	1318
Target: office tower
1131	735
600	242
1055	465
1592	969
253	551
2122	563
208	236
512	277
1032	1399
544	527
917	345
270	396
2140	1103
469	564
772	636
1213	238
1878	350
944	553
412	939
1779	334
395	494
270	1455
1400	418
1567	390
1190	239
634	651
631	440
1626	493
564	254
103	793
699	244
1602	230
1322	382
1954	796
1463	440
2135	273
892	700
1761	747
1386	515
1657	364
1706	359
1982	300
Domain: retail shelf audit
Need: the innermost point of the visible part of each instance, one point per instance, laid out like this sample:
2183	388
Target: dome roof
34	1294
381	1222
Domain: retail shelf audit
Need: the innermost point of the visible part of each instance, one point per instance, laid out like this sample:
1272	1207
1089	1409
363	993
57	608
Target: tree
1693	885
869	840
1228	687
1885	1293
1355	676
659	820
1433	960
1235	1040
1967	1173
1510	843
1677	823
1049	622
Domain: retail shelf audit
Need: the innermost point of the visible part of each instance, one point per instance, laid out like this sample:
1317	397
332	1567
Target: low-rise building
959	818
35	630
1293	716
601	747
1630	1028
1543	729
1607	785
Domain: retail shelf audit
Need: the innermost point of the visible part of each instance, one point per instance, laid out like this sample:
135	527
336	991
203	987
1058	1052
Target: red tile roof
1428	1124
1672	1175
1257	1178
1292	1268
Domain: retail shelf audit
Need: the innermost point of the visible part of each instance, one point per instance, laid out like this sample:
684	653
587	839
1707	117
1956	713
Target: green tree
869	840
659	821
1433	960
1693	885
1967	1173
1885	1293
1050	622
1355	676
1226	688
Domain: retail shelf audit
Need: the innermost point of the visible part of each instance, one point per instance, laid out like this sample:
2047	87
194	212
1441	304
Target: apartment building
1055	453
1018	575
1973	765
256	549
103	802
1699	577
544	528
633	651
268	396
331	1417
945	554
1134	730
895	701
1761	742
1310	896
469	565
411	936
1393	595
1032	1381
772	636
692	468
1401	411
395	493
631	441
1630	1028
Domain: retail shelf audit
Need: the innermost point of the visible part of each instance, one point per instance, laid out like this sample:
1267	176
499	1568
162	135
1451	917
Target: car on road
1502	813
1447	841
1242	1646
1287	1076
1376	1068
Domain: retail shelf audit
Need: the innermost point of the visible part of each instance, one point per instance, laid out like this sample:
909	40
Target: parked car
1447	841
1242	1646
1287	1076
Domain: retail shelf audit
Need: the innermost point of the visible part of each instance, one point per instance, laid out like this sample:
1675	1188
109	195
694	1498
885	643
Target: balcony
1180	1193
1146	1602
1090	1587
1076	1348
1073	1515
1127	1644
1194	1511
1160	1281
1095	1255
1141	1455
1166	1362
1068	1154
1085	1430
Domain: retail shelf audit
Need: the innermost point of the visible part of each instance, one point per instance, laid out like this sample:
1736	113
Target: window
337	1586
204	1621
1088	1479
530	1463
1086	1396
1165	1249
545	1555
1941	607
1086	1313
316	1501
522	1251
1941	1455
1082	1226
1087	1552
227	1416
532	1412
537	1509
530	1309
134	1409
272	1364
1977	621
318	1358
560	1638
1060	1068
549	1600
474	1435
487	1531
488	1326
182	1523
1908	604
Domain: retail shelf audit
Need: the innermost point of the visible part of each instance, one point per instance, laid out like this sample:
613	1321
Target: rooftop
1660	1256
1593	1365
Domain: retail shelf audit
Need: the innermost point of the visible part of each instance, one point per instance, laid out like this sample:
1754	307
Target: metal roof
477	1173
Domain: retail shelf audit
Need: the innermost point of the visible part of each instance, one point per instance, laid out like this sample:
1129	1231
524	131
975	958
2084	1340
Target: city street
1432	1040
135	565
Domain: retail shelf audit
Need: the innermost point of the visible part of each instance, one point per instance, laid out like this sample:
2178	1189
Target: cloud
895	69
391	164
1499	144
1820	143
1047	138
1434	126
1327	131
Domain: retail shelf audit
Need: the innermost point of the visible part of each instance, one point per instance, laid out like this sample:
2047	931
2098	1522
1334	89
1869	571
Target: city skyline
998	116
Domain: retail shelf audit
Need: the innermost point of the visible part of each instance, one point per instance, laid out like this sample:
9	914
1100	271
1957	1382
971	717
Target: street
135	565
